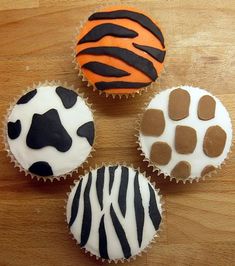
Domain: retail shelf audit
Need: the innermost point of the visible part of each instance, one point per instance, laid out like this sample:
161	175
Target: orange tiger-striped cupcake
120	50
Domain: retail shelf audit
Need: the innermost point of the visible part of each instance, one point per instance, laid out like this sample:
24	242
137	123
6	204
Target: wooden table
35	41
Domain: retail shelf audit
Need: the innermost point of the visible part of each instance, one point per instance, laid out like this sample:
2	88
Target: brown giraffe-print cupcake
185	133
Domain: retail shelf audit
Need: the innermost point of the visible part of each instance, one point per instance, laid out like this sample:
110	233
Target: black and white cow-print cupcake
114	212
50	131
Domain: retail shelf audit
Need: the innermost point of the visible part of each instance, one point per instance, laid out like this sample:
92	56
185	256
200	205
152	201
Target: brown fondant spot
160	153
153	122
208	169
214	141
181	170
185	139
206	108
178	107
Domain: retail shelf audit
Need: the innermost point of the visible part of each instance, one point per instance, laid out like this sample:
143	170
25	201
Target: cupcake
185	133
49	131
114	212
120	50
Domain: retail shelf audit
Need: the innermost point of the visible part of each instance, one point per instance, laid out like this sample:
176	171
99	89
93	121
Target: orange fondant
145	37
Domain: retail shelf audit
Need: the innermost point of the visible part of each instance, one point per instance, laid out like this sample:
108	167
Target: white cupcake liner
157	169
157	233
78	29
4	132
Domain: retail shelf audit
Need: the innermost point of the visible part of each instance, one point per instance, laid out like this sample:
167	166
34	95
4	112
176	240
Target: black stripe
139	209
123	190
100	31
103	85
153	209
75	204
111	177
105	70
120	233
143	20
103	240
157	54
86	220
100	185
129	57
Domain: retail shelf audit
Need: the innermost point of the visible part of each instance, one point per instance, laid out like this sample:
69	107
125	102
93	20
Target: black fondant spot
87	131
47	130
27	97
102	30
141	63
68	97
14	129
41	168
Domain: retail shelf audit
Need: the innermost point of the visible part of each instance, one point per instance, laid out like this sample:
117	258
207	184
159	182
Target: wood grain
35	40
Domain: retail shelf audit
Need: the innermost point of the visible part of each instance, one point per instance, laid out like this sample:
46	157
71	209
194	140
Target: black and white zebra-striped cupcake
114	212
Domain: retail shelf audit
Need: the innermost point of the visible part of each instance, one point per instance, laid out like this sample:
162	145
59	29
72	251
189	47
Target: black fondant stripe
103	240
105	29
103	85
86	221
153	209
27	97
129	57
157	54
123	190
105	70
111	177
139	209
120	234
143	20
75	204
100	185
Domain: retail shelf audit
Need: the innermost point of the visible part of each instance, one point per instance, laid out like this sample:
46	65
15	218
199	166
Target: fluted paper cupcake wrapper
158	232
153	84
157	169
5	141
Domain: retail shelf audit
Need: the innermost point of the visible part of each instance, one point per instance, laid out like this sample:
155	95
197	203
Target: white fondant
198	159
72	118
128	223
